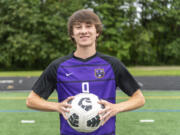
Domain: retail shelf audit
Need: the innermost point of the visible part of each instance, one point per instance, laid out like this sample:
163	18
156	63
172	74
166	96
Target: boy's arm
135	101
34	101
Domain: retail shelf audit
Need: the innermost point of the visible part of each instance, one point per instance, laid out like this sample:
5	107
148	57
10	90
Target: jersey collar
84	60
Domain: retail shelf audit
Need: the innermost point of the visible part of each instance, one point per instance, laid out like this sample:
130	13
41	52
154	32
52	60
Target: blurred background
138	32
143	34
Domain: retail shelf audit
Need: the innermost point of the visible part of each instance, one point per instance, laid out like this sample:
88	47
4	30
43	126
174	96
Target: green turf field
161	106
136	71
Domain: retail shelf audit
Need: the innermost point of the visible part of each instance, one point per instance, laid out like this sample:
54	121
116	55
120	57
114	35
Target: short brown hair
84	15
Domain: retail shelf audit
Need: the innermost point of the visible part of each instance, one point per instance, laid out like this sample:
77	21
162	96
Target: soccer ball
83	116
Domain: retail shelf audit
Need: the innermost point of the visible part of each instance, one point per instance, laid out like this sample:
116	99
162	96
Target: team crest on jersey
99	73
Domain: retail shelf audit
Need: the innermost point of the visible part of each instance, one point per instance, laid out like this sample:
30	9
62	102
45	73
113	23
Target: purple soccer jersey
99	74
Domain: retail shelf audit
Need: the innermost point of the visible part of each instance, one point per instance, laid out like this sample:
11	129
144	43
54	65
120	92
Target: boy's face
84	34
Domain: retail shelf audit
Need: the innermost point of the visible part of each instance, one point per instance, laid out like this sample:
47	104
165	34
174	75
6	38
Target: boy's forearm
136	101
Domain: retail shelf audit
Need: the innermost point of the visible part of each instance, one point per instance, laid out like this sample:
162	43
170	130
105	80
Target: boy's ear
97	34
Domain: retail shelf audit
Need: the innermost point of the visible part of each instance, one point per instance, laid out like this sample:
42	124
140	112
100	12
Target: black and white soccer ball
83	116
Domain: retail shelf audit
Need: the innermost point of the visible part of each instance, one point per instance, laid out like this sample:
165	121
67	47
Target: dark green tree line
139	32
157	37
33	32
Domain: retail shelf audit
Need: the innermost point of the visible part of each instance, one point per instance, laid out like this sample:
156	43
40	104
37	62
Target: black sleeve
125	80
46	83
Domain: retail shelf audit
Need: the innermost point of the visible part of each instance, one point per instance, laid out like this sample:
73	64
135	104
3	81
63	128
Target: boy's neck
85	52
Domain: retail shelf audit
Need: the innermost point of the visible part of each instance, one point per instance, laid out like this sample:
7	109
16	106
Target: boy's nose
84	30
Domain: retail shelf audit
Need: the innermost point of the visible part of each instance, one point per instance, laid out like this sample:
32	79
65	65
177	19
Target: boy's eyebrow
78	22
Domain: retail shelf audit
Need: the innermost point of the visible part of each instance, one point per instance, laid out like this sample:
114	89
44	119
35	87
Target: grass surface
155	71
136	71
161	106
20	73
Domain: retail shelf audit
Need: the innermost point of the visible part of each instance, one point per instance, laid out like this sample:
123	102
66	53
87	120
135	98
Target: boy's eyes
77	26
89	25
80	26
